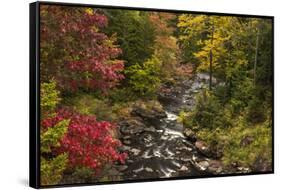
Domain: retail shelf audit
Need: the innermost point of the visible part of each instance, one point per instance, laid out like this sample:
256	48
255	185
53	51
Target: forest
133	95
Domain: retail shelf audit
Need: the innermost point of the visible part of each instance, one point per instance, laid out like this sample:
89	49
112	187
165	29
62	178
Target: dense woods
127	94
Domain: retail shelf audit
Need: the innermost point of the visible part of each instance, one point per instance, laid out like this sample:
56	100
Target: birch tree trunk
211	58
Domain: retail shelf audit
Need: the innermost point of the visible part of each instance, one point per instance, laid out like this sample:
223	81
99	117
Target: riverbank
157	144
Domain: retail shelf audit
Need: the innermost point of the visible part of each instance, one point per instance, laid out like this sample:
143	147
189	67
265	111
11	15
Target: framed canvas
120	94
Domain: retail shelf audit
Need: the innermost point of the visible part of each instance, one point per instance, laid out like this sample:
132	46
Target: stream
160	149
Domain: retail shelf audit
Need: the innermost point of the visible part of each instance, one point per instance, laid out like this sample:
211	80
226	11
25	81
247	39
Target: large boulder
202	165
189	134
262	165
131	126
210	166
246	141
215	167
203	148
215	152
121	168
166	97
149	111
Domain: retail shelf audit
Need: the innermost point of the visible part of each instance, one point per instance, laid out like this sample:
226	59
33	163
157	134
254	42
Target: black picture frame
34	92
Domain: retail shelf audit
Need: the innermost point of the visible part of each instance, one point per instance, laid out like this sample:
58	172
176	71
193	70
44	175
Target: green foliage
247	154
236	144
111	108
241	91
186	118
209	112
122	95
149	105
51	170
234	47
89	104
256	111
165	48
80	175
182	117
51	137
135	34
191	31
244	135
144	78
49	97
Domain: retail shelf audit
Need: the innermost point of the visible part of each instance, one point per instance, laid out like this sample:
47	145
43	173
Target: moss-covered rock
149	111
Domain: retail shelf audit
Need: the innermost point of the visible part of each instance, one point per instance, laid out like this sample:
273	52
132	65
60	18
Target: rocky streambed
158	146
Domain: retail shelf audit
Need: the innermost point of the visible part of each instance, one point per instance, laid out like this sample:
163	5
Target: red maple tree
75	51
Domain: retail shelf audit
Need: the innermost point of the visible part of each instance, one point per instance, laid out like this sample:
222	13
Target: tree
75	51
145	78
165	47
256	56
135	34
191	31
209	36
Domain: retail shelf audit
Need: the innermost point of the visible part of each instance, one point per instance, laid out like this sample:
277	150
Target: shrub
144	79
246	154
52	131
186	118
122	95
79	175
89	143
51	136
256	111
49	98
51	170
208	113
87	104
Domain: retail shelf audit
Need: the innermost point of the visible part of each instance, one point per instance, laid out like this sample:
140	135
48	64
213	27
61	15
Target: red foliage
106	76
75	51
88	142
51	121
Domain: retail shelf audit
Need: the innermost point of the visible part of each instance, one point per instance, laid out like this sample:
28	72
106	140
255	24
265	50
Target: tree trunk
211	70
256	57
211	59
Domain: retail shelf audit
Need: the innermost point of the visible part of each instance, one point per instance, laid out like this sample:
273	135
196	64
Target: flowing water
162	150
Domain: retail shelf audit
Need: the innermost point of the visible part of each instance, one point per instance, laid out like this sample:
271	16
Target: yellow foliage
89	11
